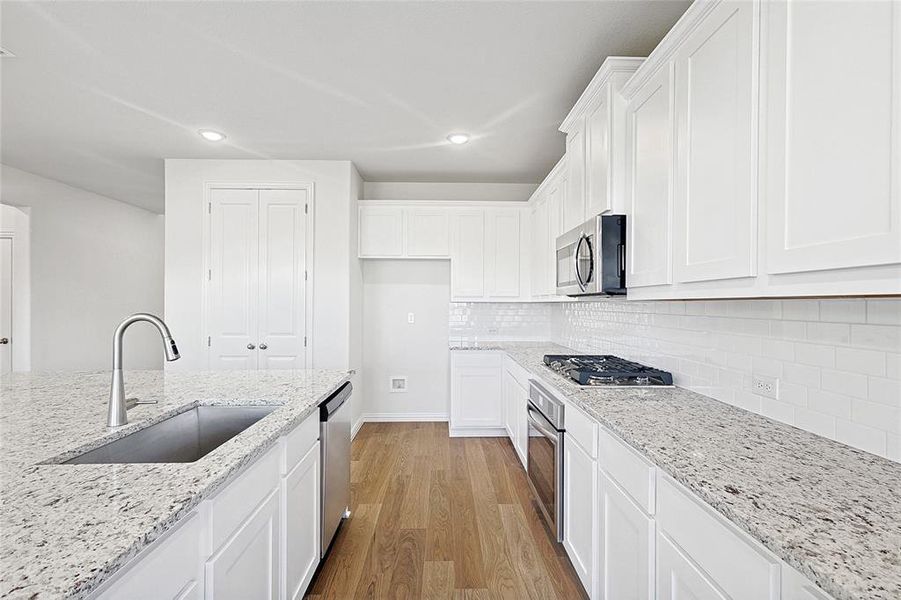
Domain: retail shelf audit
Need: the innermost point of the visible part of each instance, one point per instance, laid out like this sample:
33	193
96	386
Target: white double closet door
256	282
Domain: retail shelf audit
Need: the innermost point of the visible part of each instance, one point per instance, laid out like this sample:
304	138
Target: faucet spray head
171	350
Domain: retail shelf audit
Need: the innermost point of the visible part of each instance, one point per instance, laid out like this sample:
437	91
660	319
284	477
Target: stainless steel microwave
591	259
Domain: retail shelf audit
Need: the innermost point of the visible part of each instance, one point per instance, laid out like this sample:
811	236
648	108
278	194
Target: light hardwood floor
435	517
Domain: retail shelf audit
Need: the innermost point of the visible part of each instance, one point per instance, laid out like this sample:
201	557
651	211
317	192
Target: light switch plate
411	318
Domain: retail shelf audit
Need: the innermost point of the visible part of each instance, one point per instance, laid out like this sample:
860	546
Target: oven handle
548	433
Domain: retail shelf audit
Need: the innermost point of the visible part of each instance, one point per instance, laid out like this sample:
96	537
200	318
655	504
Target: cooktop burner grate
606	369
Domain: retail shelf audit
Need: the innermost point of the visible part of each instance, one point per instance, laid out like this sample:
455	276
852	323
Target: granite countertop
831	511
67	528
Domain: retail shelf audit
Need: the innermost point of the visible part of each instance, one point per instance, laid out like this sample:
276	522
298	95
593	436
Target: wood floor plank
438	580
439	517
501	577
440	537
379	563
406	576
340	572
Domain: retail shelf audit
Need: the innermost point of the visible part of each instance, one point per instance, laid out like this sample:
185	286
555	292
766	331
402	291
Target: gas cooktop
606	370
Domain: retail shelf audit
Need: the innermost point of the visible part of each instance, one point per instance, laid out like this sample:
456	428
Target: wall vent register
606	370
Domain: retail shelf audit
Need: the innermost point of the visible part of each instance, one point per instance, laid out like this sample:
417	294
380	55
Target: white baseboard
478	432
403	417
356	427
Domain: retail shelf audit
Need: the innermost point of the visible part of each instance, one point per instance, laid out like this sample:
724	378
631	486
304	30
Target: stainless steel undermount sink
183	438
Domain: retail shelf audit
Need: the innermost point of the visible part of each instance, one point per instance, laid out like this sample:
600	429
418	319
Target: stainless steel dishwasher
334	437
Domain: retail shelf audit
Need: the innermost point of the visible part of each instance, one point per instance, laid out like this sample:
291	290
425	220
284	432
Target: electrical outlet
411	318
398	383
765	386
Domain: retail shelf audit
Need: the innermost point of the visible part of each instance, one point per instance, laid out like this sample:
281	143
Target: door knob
251	347
4	340
263	346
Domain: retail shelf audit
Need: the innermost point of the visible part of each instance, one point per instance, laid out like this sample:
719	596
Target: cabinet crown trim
558	170
611	66
667	47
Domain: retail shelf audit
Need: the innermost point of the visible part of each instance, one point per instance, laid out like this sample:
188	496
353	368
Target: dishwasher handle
335	401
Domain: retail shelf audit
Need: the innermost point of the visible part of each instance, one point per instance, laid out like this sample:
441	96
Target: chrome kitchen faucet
118	404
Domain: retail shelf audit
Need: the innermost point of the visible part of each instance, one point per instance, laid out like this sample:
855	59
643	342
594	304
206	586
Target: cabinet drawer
632	472
518	373
299	441
582	429
240	499
797	587
736	563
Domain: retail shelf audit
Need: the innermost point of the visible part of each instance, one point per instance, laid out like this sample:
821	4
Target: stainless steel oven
545	454
591	259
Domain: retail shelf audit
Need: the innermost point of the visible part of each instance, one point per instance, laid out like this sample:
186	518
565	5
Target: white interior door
282	263
234	265
6	299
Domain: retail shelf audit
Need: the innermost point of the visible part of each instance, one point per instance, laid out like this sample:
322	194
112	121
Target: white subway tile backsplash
844	382
884	312
860	436
886	391
843	311
839	361
484	321
869	362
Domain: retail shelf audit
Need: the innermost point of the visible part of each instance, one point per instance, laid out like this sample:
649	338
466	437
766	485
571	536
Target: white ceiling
100	92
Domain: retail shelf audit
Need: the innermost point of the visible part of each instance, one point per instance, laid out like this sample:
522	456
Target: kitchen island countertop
67	528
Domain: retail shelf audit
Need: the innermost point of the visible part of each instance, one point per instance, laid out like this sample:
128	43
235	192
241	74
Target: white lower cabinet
516	395
300	543
247	565
171	568
680	579
797	587
580	491
477	400
257	538
626	546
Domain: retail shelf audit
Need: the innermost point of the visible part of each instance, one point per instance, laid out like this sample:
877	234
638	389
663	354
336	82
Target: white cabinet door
509	390
797	587
539	255
502	253
428	232
468	254
381	231
649	182
626	548
300	535
282	242
171	569
247	565
597	158
715	212
476	391
832	146
580	500
233	290
678	578
574	199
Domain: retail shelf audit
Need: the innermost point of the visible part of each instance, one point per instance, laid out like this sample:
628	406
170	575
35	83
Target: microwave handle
582	283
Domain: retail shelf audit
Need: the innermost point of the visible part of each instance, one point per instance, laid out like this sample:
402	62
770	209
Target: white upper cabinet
595	134
502	258
427	232
832	145
715	209
468	254
649	162
381	231
574	200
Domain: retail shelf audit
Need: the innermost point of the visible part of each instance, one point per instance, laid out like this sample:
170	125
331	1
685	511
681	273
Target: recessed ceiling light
458	138
4	53
211	136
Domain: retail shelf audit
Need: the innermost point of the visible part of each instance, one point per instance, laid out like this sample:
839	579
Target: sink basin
183	438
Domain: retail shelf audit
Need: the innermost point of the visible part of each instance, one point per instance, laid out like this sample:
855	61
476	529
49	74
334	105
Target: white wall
94	261
391	290
356	303
838	360
500	192
335	205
